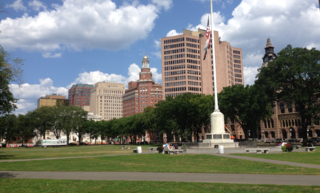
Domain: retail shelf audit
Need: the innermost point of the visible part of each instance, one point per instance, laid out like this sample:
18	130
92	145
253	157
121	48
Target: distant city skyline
89	48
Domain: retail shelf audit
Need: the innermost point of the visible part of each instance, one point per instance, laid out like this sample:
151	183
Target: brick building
185	70
79	94
52	100
142	93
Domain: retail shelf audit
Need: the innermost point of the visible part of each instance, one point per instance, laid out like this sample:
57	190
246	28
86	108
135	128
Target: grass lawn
158	163
299	157
71	151
43	186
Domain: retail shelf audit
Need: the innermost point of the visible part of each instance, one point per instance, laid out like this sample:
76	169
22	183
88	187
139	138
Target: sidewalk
303	180
270	161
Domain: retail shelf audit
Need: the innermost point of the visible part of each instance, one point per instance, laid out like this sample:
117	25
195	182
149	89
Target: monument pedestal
218	136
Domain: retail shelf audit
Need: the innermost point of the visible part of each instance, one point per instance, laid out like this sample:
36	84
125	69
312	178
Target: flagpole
216	109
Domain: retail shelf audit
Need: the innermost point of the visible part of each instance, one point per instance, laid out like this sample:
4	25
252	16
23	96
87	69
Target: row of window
237	61
175	62
175	78
176	89
193	72
236	52
192	40
174	51
236	70
193	67
174	56
174	73
238	75
237	66
194	83
193	77
174	67
237	56
192	45
173	40
193	51
175	84
193	56
193	61
238	80
174	46
194	89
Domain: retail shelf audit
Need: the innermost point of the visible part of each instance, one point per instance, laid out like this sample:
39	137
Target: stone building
106	100
52	100
285	121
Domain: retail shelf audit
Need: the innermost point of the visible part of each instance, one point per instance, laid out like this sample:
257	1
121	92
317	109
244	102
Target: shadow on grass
4	157
6	175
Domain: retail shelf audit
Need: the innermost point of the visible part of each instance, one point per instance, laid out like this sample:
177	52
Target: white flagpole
216	109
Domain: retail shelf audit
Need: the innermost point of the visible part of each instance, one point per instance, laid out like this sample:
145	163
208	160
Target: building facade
79	94
106	100
142	93
186	71
52	100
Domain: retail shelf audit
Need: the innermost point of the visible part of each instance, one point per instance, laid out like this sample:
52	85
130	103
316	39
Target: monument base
214	140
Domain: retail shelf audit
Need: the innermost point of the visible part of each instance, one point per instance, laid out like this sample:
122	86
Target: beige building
106	100
185	70
51	100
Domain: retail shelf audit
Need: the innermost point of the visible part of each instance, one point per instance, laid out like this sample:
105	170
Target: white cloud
157	44
166	4
28	94
52	55
37	5
285	22
173	33
249	74
157	54
17	5
98	24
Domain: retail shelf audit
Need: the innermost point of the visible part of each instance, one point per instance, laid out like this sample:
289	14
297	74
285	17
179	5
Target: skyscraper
106	100
143	93
184	69
79	94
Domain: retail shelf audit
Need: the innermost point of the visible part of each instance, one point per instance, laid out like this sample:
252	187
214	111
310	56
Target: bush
160	149
287	148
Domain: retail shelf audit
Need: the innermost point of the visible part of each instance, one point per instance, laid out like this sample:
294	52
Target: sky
65	42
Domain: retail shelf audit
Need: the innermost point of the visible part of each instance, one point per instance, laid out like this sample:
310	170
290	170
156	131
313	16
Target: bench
152	148
258	150
175	151
310	148
297	146
135	151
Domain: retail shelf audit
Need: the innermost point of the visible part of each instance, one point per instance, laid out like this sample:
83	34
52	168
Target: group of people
124	147
170	146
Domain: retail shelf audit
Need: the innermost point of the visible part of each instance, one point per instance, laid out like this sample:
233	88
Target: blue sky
85	41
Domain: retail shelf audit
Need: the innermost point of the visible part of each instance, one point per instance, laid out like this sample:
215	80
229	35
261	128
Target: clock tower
269	53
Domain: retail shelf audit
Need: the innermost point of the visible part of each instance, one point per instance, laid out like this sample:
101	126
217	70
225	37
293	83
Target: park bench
310	148
174	151
297	146
257	150
152	148
135	151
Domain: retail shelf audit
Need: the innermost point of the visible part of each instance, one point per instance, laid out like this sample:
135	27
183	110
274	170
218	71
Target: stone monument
218	136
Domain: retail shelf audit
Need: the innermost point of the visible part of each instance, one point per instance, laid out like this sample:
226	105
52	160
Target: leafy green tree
8	127
79	120
91	128
43	118
10	71
294	77
26	127
247	105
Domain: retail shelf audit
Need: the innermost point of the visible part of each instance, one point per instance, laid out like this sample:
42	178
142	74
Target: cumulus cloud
17	6
166	4
52	55
77	25
252	22
37	5
157	44
173	33
28	94
250	74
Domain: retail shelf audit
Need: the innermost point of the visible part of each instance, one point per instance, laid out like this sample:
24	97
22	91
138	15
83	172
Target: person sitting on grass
123	147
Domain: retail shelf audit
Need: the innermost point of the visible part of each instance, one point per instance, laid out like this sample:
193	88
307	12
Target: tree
8	127
294	77
247	105
26	127
10	71
43	118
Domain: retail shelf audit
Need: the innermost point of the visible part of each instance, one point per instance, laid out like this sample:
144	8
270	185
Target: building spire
145	62
269	44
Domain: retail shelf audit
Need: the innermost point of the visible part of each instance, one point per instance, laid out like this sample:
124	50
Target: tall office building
106	100
185	70
79	94
52	100
143	93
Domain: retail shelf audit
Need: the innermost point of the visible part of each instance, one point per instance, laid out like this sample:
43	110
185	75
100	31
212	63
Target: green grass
158	163
71	151
299	157
44	186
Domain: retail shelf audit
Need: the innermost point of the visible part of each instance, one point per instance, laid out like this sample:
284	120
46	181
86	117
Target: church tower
269	53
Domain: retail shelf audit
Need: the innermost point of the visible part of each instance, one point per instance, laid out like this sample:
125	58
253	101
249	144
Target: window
289	108
236	52
237	61
237	66
282	108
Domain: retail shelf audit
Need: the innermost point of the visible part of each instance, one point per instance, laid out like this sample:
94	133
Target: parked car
279	140
293	140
